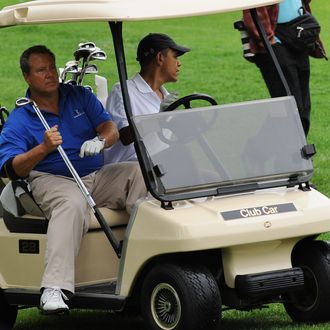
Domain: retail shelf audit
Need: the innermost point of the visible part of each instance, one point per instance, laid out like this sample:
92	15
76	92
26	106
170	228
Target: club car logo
258	211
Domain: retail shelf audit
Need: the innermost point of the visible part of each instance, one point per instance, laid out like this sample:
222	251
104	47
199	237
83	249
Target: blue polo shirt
80	113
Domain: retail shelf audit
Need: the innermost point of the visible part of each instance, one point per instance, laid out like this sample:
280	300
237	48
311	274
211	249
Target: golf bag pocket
299	34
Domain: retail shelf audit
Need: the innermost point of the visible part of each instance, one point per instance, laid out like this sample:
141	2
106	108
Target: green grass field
214	66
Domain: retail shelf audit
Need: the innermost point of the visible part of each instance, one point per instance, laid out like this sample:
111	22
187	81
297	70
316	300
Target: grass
214	66
273	318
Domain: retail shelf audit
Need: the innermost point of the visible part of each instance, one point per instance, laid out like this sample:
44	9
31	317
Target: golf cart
232	220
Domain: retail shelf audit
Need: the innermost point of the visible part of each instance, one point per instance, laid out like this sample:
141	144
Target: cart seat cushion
22	214
114	218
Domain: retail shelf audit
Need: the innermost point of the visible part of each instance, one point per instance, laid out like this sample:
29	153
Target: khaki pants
116	186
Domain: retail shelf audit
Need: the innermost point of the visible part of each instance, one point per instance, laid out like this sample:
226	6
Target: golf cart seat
101	89
21	214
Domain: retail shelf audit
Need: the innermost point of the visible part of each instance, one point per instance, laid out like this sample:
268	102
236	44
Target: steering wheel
166	135
185	101
188	120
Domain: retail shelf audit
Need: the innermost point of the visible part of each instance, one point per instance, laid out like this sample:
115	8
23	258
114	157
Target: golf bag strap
25	199
7	170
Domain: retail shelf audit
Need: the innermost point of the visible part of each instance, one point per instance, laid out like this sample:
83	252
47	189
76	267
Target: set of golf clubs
86	52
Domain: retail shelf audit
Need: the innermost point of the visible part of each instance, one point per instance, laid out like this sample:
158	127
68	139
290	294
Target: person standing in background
295	65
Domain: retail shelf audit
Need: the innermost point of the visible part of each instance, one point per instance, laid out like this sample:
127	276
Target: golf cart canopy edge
60	11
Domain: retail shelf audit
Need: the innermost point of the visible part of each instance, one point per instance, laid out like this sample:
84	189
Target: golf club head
84	50
88	45
70	67
91	69
97	54
23	101
71	64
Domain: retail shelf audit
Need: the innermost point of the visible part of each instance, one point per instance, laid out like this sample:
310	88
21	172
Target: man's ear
159	58
26	77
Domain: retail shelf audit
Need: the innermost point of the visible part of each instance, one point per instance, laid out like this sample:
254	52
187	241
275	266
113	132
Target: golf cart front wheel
180	297
312	303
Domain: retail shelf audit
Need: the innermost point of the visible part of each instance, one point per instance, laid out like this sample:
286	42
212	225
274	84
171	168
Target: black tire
312	303
8	313
180	297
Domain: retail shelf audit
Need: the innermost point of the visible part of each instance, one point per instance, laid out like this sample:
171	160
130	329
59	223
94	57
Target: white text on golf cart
265	210
254	212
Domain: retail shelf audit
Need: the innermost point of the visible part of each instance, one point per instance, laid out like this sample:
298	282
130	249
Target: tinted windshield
235	144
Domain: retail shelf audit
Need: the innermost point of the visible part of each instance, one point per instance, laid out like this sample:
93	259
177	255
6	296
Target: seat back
101	89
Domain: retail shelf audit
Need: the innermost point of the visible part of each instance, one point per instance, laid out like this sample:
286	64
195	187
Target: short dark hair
38	49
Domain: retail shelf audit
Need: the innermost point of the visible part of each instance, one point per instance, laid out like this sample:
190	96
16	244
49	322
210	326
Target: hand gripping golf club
114	242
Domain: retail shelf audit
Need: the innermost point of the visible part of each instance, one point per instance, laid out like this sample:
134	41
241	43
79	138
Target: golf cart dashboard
223	149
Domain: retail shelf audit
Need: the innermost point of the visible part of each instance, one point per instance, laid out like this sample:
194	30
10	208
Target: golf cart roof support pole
112	239
269	49
117	37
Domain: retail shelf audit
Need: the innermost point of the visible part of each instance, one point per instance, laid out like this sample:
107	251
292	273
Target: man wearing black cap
157	55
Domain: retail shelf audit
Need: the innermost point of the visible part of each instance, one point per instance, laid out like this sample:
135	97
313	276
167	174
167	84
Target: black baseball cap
151	44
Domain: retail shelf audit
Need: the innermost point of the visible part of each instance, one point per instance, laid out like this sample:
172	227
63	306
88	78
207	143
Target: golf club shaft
67	161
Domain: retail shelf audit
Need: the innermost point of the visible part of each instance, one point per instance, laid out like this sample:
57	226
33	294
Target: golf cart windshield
224	149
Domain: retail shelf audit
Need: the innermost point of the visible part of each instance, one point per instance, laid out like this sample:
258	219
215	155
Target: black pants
296	70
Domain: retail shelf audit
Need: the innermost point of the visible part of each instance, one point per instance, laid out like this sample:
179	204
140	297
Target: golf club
84	50
97	54
3	110
89	69
70	67
112	239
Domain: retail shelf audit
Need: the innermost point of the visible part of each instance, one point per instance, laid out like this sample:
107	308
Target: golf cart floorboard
100	296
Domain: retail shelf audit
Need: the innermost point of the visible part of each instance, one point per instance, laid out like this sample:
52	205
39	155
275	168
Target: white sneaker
51	301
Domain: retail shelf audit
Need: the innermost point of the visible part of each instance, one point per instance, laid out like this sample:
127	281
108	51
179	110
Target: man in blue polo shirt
83	128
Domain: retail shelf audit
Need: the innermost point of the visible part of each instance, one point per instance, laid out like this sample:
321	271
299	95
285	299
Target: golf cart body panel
59	11
242	207
29	250
193	158
199	225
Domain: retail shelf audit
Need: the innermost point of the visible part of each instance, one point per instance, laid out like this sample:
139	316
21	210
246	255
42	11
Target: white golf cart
233	220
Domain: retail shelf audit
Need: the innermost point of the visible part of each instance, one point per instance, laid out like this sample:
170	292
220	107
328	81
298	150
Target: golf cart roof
61	11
